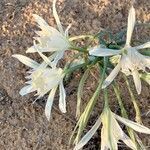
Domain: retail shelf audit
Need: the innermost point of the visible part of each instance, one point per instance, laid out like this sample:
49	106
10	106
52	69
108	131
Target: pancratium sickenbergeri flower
130	61
44	79
111	132
50	39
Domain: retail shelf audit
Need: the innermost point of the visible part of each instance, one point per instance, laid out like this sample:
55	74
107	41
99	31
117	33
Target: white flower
111	132
130	61
50	39
44	79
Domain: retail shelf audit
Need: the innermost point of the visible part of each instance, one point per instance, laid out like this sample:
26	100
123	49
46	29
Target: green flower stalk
83	120
80	92
135	103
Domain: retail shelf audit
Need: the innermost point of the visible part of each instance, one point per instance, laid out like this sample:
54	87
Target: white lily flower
44	79
130	60
50	39
111	132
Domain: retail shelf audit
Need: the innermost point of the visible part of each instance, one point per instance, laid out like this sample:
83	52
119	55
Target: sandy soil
23	125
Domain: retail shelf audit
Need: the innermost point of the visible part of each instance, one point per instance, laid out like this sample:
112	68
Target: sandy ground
23	125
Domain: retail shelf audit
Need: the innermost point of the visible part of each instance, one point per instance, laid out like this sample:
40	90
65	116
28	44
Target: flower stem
81	37
106	103
135	104
88	64
80	92
83	50
117	92
70	70
123	110
83	120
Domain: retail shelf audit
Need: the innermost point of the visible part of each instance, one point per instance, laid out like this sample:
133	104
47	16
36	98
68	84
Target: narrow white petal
99	51
104	144
66	31
49	103
48	30
108	139
140	142
112	76
57	17
51	58
27	61
42	23
128	142
31	50
45	58
131	23
42	55
62	97
137	81
146	45
25	90
135	126
58	56
120	135
114	132
88	135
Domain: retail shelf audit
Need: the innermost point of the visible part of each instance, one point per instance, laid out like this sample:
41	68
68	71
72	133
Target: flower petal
62	97
131	22
51	43
44	26
135	126
88	135
58	56
51	58
41	22
57	17
31	50
108	138
99	51
27	61
67	29
42	55
104	144
146	45
128	141
140	142
49	103
112	76
25	90
137	81
120	135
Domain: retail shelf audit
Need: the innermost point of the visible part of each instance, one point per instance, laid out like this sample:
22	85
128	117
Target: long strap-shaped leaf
80	92
86	114
134	101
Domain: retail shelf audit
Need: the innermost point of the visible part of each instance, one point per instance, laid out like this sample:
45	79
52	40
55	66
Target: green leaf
83	120
80	92
145	52
118	37
145	77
